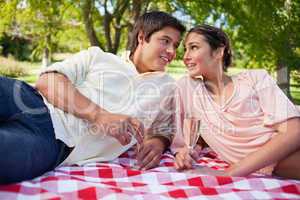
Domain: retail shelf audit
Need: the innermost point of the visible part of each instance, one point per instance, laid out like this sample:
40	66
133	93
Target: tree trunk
106	25
117	40
283	78
46	60
138	7
46	57
88	22
118	26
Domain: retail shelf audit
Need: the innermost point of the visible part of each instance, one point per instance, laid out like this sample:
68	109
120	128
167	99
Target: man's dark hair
150	23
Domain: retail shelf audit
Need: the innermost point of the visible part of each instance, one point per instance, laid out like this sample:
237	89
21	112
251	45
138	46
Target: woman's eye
194	47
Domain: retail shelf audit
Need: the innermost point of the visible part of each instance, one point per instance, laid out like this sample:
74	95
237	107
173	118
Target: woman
246	119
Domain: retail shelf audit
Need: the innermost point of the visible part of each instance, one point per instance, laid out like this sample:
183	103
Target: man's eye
165	41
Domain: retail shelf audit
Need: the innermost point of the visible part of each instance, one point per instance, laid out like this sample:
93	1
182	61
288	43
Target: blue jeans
28	147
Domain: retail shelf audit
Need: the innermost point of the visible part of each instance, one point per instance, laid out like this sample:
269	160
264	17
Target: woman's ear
219	52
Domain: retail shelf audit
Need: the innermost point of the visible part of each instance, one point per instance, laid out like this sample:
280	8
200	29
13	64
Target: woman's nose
186	56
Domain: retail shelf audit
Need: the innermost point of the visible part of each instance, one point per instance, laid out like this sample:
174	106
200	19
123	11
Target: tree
114	19
110	15
267	28
43	20
38	20
262	30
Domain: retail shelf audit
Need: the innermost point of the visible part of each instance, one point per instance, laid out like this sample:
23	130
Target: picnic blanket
119	180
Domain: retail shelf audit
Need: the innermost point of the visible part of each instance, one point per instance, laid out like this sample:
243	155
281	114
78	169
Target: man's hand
150	152
121	127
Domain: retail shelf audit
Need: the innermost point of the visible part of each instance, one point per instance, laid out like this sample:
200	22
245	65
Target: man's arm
60	92
159	136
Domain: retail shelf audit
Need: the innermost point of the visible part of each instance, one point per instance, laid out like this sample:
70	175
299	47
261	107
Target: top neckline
227	102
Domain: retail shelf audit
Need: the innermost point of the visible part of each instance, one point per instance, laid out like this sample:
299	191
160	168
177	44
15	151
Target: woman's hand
185	157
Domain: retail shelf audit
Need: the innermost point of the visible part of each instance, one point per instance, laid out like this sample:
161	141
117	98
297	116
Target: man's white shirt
114	84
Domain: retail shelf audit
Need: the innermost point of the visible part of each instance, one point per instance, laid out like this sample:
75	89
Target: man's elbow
42	83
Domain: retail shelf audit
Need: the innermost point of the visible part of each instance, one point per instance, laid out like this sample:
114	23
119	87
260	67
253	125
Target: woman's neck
216	84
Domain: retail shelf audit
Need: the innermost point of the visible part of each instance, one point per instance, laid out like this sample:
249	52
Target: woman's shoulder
253	75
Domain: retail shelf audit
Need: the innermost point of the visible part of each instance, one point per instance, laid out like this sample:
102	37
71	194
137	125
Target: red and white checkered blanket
118	180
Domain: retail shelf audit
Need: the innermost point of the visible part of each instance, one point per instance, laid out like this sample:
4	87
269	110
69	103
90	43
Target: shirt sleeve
274	103
76	67
164	125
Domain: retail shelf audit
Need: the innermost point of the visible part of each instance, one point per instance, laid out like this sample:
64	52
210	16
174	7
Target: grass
33	72
295	92
176	70
29	78
33	68
11	68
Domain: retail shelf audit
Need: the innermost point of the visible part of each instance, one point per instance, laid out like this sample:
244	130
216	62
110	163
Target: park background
36	33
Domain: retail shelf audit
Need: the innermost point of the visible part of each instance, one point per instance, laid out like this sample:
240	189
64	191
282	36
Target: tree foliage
40	21
264	33
108	23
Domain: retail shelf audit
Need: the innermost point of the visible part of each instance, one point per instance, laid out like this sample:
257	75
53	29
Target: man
96	101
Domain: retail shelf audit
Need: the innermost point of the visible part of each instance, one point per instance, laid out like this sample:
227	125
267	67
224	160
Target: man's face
158	52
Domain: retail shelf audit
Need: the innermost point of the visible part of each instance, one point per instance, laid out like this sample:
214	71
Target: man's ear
141	37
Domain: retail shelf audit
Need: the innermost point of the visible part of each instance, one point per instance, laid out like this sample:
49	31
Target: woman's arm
286	142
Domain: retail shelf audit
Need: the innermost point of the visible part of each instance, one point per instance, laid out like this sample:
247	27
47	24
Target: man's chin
159	69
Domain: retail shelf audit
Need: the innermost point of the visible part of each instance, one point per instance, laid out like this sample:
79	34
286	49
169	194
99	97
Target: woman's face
199	58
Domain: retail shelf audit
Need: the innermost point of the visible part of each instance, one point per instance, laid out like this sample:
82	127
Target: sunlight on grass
34	69
176	70
31	68
31	79
295	92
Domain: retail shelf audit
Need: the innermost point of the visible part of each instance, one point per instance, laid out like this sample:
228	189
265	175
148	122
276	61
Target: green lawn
32	70
295	92
176	70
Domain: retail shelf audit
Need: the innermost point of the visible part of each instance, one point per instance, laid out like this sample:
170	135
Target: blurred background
35	33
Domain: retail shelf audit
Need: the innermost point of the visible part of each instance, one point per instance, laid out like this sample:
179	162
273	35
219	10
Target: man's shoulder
187	81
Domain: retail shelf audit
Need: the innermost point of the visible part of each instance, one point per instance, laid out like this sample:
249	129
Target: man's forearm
164	140
60	92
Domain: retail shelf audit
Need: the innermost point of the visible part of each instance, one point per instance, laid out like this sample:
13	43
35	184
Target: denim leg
17	97
25	154
28	147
